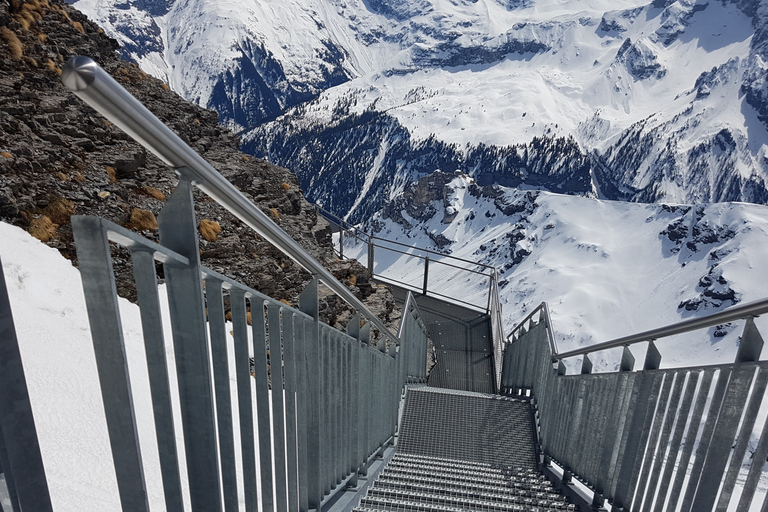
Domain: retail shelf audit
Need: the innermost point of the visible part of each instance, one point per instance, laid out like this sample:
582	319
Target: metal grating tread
435	424
415	468
502	495
484	486
417	502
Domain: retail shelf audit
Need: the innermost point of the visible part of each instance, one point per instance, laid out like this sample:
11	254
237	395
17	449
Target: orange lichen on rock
209	229
142	219
42	228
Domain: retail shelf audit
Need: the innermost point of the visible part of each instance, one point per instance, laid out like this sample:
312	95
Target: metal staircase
321	416
464	451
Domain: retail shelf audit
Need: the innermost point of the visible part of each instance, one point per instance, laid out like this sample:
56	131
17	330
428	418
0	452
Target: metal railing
423	271
99	90
655	439
413	336
313	404
21	463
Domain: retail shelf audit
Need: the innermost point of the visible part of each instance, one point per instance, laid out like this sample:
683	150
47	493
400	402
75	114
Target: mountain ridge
648	91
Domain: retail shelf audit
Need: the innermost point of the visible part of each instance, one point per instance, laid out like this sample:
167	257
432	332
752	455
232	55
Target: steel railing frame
338	399
427	256
99	90
637	437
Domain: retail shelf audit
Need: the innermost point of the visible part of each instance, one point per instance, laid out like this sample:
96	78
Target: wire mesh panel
402	267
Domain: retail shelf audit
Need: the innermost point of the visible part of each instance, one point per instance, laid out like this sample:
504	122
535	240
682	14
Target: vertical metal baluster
244	401
348	388
328	452
302	325
290	410
362	406
214	294
338	407
314	395
353	328
278	415
145	276
20	458
178	232
107	333
261	375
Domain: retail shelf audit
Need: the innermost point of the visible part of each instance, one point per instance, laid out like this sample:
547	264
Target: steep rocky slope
58	157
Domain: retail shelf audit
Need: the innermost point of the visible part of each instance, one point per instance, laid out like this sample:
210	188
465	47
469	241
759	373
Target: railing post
308	304
426	275
652	357
370	256
751	343
341	240
178	232
627	361
20	458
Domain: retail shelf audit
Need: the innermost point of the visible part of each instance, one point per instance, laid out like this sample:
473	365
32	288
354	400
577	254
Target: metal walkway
462	451
461	339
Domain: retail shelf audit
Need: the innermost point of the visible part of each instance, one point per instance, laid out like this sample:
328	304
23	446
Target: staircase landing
461	338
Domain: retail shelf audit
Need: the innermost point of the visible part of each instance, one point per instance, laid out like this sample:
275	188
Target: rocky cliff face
58	157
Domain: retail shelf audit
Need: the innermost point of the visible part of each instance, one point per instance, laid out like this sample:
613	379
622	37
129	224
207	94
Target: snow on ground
49	313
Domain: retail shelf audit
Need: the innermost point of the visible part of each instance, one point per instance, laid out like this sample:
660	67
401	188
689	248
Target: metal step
411	499
440	483
495	495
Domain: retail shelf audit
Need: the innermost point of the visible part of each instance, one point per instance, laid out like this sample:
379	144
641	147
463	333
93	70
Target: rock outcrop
58	157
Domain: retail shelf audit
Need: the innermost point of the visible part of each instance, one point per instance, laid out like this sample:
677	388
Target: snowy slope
49	313
664	101
607	269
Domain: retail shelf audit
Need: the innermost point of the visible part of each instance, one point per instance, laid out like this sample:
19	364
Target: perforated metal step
462	451
467	426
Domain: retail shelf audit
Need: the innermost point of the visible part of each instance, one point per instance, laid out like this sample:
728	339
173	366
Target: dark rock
60	150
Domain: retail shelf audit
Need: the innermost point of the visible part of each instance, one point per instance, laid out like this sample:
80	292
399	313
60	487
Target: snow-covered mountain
606	268
628	100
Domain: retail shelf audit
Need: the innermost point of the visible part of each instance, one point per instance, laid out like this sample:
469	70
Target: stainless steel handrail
102	92
751	309
428	251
